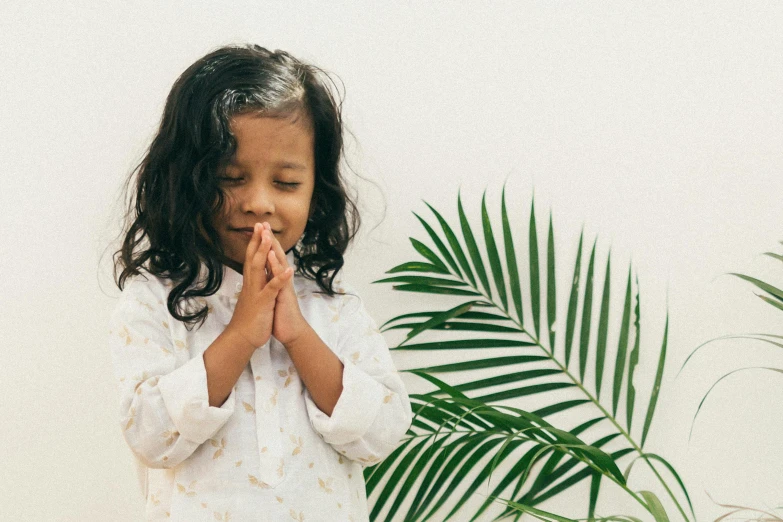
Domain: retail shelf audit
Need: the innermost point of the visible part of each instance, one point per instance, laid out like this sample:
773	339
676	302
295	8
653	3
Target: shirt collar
232	280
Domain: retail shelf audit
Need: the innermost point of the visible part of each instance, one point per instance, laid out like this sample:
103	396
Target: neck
233	265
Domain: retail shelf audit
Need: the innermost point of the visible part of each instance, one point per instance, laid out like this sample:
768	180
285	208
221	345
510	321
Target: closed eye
283	183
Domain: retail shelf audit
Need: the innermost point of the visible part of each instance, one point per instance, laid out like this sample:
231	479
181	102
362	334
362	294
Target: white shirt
268	453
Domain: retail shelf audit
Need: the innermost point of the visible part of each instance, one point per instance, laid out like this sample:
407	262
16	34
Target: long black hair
168	229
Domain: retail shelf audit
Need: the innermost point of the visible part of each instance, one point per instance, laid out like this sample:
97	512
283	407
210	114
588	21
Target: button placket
267	417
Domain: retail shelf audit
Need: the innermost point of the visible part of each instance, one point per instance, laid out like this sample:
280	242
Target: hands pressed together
267	304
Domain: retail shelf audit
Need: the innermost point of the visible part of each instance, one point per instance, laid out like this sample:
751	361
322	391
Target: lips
250	229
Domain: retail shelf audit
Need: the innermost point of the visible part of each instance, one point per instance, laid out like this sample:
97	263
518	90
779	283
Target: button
239	287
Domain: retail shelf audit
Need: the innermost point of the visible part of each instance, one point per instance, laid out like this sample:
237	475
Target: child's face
270	179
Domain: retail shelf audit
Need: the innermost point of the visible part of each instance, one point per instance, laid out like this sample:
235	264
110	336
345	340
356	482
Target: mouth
249	230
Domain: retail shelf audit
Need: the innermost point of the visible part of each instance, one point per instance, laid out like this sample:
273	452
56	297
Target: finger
273	264
252	247
278	248
279	281
276	266
259	261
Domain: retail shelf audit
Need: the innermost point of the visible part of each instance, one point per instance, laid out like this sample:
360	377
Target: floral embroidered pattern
298	443
187	491
219	445
288	374
325	485
260	483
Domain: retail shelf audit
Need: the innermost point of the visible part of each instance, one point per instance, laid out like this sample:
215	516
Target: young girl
253	384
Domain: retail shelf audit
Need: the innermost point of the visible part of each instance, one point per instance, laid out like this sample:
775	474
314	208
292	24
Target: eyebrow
277	164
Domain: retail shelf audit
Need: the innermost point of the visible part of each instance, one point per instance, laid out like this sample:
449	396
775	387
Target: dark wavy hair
168	229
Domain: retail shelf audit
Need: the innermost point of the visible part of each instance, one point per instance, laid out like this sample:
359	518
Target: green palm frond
499	315
459	435
774	298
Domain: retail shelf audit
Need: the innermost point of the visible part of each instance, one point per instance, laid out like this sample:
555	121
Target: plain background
656	126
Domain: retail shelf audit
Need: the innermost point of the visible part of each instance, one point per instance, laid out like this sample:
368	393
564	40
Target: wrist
303	333
238	339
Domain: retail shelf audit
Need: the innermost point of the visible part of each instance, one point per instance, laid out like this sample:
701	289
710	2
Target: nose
257	199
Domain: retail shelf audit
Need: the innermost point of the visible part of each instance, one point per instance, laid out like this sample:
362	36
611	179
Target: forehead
263	139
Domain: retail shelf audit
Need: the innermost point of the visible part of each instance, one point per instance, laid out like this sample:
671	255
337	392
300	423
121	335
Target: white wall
658	127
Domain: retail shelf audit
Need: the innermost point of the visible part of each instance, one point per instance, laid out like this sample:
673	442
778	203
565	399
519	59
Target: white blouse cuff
355	411
185	394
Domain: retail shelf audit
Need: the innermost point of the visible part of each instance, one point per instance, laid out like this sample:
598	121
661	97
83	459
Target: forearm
225	360
319	368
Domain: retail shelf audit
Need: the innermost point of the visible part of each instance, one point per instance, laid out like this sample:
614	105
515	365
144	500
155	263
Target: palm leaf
422	280
555	469
573	302
439	244
603	327
774	303
587	313
551	286
574	479
633	360
432	289
753	337
425	251
470	242
458	325
444	469
481	364
492	254
466	344
535	280
653	456
595	486
693	422
418	266
562	443
439	472
511	260
537	513
455	246
396	476
777	293
655	506
438	319
777	302
548	474
466	315
657	386
622	347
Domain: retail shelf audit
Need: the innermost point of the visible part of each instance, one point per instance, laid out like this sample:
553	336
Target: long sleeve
373	412
164	402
